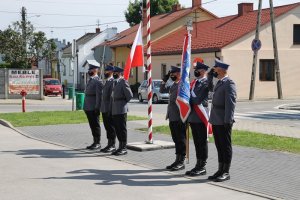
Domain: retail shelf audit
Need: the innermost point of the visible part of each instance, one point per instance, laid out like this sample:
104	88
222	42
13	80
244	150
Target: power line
79	3
66	27
58	14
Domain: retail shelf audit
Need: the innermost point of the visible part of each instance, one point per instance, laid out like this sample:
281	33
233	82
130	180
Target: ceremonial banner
183	97
136	57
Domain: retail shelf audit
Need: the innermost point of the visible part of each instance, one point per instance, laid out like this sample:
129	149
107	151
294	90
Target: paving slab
36	170
266	172
156	145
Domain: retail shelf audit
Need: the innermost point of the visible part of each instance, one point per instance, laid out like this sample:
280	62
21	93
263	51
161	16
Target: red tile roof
157	22
217	33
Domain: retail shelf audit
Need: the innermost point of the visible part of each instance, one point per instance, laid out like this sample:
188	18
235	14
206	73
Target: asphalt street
266	111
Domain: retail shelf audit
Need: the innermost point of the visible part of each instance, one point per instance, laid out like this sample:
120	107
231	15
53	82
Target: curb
9	125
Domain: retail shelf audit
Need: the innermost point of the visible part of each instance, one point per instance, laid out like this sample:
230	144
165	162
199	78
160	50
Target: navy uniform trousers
94	123
222	136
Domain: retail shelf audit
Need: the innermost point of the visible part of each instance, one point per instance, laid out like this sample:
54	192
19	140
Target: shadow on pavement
49	153
128	177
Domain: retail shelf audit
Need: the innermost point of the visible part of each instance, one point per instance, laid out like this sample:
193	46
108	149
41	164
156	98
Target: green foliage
49	118
251	139
133	14
21	46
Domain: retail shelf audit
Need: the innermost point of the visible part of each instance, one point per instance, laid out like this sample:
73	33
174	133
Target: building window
163	70
296	33
267	70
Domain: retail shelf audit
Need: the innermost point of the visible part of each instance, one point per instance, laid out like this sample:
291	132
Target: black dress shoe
89	147
180	164
174	163
223	177
108	149
218	173
95	147
196	172
121	152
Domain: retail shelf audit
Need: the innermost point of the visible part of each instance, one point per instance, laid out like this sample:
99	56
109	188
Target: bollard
63	91
23	93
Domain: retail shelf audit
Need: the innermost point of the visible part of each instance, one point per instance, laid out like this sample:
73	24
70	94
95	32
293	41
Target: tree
133	13
20	45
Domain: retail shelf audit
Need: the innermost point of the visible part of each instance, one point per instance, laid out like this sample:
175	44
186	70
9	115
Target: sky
55	17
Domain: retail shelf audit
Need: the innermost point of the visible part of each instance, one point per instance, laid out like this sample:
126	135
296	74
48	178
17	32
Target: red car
52	86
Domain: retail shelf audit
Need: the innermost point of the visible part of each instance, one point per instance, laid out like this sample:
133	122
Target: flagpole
149	69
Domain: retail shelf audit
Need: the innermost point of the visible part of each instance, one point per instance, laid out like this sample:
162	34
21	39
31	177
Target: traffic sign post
256	45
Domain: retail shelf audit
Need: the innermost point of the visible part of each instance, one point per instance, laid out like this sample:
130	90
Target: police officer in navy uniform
106	109
177	127
222	118
121	95
199	95
92	105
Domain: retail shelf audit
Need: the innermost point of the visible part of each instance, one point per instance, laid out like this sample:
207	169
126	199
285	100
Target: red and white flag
136	56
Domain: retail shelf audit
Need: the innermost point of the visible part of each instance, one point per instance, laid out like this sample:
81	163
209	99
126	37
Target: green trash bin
79	101
70	93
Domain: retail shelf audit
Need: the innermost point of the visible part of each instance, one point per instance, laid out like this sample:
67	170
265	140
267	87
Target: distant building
228	38
85	46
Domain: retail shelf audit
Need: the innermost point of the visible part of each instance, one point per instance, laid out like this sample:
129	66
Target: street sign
256	45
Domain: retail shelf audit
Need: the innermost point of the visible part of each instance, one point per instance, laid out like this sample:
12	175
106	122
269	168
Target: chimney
196	3
176	7
98	30
144	16
244	8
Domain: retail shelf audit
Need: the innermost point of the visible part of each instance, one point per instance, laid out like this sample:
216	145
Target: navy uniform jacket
223	102
93	94
173	113
106	96
201	91
121	95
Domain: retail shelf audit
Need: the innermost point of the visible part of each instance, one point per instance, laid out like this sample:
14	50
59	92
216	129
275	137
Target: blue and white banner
183	97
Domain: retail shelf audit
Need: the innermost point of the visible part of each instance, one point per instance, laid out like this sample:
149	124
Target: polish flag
136	57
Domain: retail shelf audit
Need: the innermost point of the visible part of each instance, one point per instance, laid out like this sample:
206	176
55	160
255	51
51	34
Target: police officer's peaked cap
219	63
200	65
93	67
118	69
175	69
109	68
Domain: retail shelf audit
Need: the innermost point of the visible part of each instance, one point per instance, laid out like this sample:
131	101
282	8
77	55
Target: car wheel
140	98
155	99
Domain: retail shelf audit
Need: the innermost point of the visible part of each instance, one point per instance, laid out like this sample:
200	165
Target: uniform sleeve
210	83
200	96
127	91
99	89
230	101
163	88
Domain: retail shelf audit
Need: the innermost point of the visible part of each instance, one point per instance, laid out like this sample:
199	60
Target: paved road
33	170
267	172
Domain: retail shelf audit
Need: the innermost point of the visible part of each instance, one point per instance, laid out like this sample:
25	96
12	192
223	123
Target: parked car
156	95
52	86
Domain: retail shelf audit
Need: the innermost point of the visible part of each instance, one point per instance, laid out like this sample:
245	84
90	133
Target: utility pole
24	32
275	48
73	69
253	74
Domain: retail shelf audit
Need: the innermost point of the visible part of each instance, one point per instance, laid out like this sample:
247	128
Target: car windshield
51	82
156	84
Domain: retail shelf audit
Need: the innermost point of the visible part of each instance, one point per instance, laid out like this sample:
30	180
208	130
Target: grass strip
50	118
251	139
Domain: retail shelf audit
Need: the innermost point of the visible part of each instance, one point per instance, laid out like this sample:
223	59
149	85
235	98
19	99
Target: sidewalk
48	101
36	170
270	173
